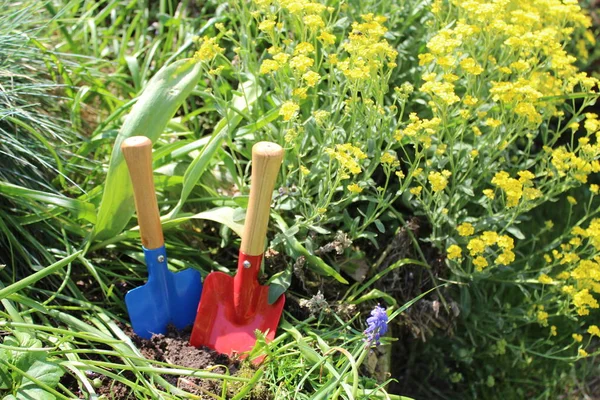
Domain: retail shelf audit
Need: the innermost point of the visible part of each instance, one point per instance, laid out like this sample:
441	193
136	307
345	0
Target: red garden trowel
167	298
233	308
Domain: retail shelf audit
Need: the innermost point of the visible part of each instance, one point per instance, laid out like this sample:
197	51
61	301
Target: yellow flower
465	229
268	66
416	190
209	49
470	100
553	331
438	180
542	317
326	38
313	22
480	263
454	252
288	110
320	116
545	279
348	157
577	337
470	66
594	188
505	258
301	63
354	188
594	330
281	58
571	200
476	246
582	353
426	58
387	158
300	92
493	123
304	48
304	170
266	25
489	193
489	237
311	78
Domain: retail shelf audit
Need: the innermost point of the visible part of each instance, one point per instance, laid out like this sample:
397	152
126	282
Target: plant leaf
80	208
26	358
222	215
45	372
149	116
5	376
239	105
278	284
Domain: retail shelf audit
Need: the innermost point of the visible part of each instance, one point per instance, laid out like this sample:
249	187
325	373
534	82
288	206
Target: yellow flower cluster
438	180
288	110
368	51
418	130
348	157
209	49
577	165
515	189
524	61
579	262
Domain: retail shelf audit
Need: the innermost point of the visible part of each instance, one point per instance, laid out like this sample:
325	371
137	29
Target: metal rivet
246	264
161	259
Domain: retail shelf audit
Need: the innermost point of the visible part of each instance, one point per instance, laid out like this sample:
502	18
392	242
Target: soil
172	348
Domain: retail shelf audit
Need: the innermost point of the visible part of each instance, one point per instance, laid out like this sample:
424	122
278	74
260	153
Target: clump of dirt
174	348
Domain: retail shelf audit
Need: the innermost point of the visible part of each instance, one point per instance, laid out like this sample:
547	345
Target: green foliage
368	144
24	370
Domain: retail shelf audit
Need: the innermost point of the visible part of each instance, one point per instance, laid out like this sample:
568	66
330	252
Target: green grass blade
82	209
33	278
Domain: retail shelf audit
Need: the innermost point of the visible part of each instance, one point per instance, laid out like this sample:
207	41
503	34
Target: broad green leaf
5	376
25	358
149	116
45	372
278	284
222	215
250	92
81	209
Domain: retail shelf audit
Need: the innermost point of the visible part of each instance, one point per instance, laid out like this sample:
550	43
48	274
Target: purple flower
377	325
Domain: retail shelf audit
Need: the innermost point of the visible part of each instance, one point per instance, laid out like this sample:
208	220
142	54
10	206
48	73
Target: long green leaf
239	105
157	104
222	215
81	209
31	279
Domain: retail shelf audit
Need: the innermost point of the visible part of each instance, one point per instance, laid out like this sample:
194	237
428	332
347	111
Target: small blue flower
377	325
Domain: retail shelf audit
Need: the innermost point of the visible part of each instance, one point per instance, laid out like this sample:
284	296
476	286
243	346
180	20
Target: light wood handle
266	161
138	156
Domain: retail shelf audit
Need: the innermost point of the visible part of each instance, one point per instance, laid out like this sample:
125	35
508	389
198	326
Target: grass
70	73
57	125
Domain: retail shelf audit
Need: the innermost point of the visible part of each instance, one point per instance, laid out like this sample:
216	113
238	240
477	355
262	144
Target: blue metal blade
166	298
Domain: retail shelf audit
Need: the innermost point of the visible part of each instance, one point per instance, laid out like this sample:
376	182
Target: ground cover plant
434	225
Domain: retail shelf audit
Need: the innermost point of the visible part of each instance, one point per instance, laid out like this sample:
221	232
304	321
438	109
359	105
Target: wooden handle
138	155
266	160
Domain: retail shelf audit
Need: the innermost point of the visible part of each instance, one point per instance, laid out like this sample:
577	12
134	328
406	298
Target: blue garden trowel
167	297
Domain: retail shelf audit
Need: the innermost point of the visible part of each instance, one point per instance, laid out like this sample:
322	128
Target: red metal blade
232	309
